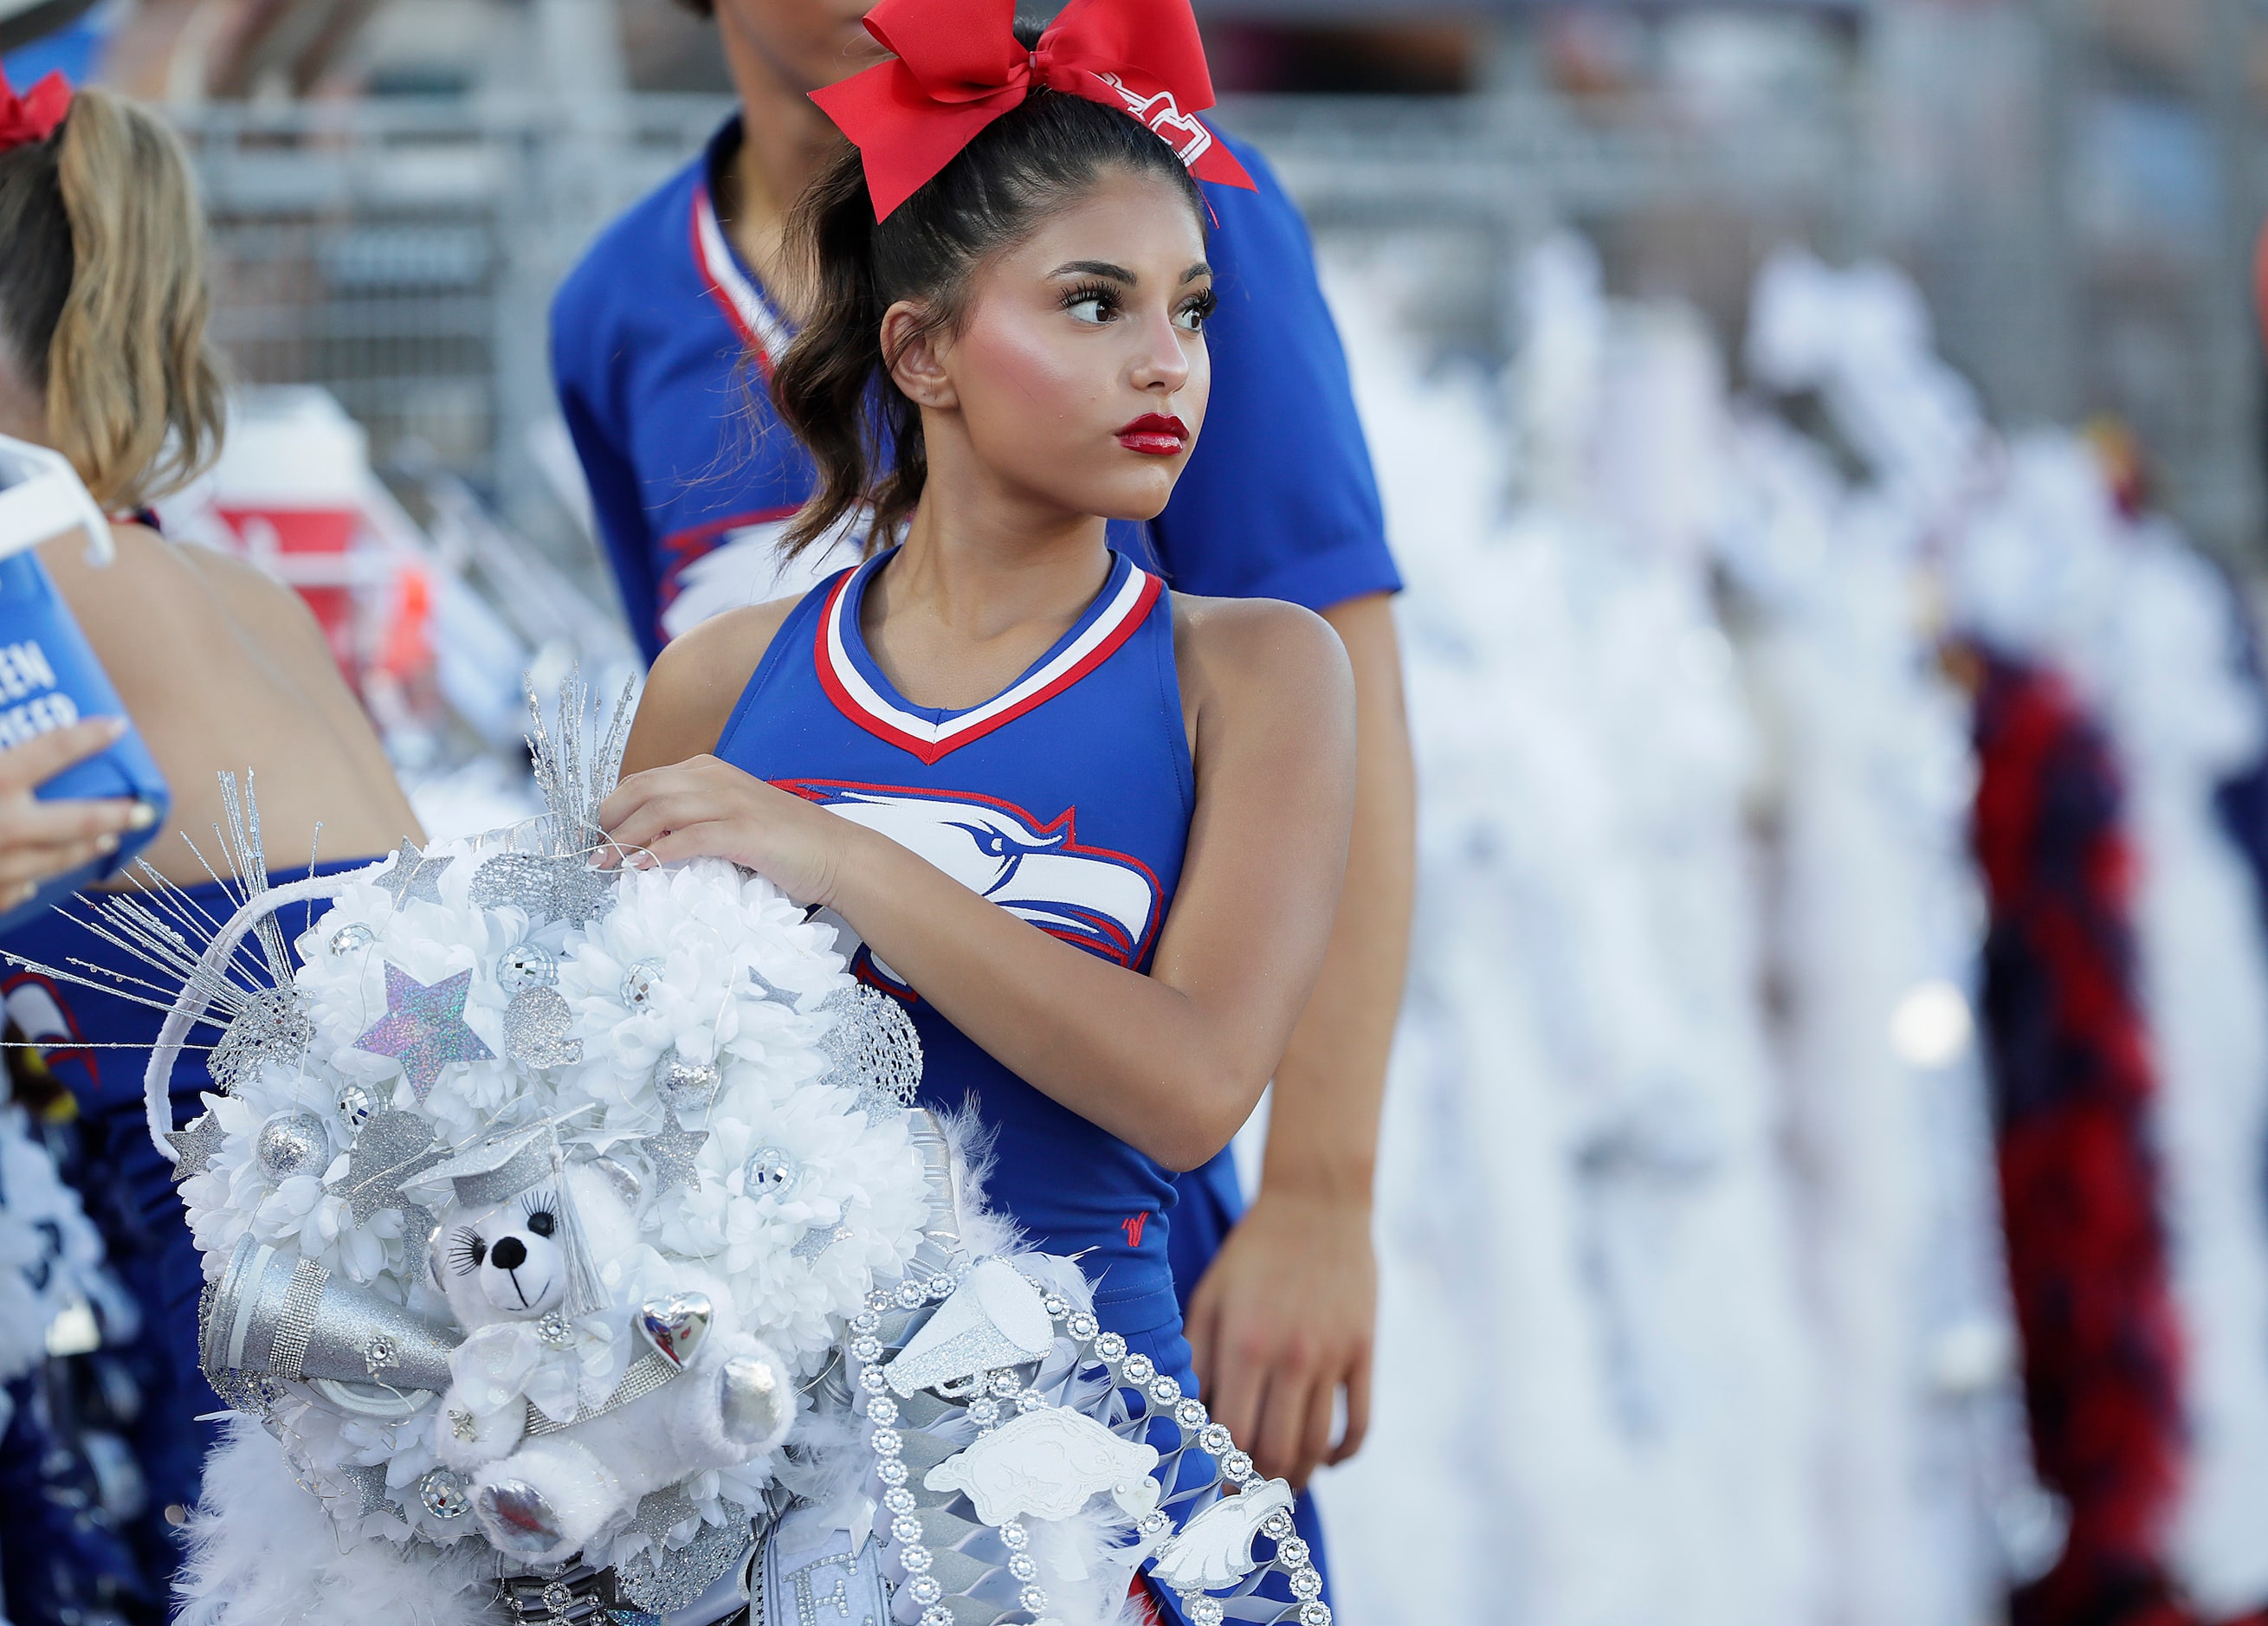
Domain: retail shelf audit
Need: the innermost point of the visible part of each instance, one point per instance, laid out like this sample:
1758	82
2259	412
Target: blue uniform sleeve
585	369
1278	500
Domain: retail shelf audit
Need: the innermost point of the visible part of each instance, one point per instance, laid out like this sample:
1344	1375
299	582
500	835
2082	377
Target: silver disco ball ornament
686	1084
524	966
292	1143
770	1172
351	940
354	1104
444	1493
640	982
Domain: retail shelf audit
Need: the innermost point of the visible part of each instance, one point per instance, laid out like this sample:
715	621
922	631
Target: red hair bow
958	67
33	115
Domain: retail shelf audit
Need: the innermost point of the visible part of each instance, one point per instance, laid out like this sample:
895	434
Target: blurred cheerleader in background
103	357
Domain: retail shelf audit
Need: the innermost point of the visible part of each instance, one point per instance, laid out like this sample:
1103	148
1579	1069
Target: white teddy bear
593	1372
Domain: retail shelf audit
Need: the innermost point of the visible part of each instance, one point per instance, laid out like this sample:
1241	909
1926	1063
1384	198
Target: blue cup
50	677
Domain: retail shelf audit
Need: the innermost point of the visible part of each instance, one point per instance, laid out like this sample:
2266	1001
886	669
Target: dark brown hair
103	299
832	387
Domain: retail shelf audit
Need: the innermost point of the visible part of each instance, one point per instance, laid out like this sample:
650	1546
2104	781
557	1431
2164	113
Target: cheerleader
103	357
1091	831
663	340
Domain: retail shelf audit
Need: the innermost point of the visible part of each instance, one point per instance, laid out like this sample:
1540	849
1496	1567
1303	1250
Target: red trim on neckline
932	752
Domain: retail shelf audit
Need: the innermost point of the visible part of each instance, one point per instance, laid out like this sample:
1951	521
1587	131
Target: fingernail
141	818
114	727
105	842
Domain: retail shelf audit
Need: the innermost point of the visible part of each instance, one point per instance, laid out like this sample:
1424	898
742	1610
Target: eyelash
1102	293
539	1206
468	1251
1107	298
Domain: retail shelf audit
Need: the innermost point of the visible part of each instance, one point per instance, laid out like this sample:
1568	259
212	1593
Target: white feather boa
261	1549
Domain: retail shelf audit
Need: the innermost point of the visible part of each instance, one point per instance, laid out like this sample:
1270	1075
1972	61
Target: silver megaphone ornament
274	1315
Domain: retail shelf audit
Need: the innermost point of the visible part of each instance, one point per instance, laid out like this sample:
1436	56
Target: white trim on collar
743	301
1132	598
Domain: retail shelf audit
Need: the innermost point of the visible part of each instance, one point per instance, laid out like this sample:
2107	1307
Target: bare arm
1284	1319
1173	1061
695	682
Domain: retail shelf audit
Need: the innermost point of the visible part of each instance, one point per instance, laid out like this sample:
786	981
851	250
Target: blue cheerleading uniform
97	1045
1066	799
661	347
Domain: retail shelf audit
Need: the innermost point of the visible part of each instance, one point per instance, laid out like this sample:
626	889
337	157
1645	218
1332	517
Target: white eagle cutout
1214	1549
1103	901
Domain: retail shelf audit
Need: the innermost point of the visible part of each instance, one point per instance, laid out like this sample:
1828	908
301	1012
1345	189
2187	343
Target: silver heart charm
517	1518
675	1326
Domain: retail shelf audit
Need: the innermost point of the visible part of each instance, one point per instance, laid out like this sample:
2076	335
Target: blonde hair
104	306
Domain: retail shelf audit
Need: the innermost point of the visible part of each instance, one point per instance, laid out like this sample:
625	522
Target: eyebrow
1109	272
1103	268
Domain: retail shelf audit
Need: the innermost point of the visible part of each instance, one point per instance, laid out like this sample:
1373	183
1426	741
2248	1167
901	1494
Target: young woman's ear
909	345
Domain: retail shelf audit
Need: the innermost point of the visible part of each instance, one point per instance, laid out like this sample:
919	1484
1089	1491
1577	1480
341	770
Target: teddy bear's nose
508	1253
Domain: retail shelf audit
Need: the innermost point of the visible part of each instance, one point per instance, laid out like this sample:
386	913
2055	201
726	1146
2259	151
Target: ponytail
103	299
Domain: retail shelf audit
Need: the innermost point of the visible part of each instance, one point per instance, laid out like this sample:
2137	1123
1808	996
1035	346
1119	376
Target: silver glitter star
671	1153
423	1027
368	1483
414	876
392	1147
197	1144
661	1512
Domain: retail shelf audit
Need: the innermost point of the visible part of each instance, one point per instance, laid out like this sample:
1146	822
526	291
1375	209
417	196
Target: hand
1284	1322
41	839
703	807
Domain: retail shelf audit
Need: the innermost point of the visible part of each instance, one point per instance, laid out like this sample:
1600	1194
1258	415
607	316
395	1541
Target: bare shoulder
223	572
251	594
1261	653
703	670
156	594
144	564
697	679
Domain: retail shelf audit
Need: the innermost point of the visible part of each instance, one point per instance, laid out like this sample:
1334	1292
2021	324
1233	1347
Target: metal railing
403	252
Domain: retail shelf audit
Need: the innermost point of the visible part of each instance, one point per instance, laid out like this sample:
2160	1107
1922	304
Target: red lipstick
1155	435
